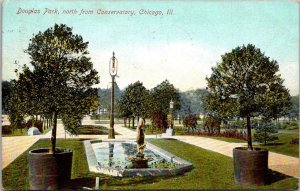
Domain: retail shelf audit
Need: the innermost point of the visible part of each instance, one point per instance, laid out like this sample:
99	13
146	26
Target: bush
227	133
160	121
190	121
6	130
295	141
212	124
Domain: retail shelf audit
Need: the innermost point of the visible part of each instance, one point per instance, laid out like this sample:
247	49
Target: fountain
127	158
140	161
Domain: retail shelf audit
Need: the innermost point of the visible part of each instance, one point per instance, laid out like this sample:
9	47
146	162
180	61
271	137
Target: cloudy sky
181	47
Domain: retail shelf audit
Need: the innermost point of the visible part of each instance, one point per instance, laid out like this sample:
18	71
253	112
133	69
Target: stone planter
250	166
49	171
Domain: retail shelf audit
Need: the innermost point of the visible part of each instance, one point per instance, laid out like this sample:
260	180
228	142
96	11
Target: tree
60	79
190	121
265	132
159	103
105	96
293	111
15	107
246	84
134	101
6	90
192	102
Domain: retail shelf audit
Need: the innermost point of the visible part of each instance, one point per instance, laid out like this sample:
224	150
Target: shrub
190	121
295	141
212	124
6	130
160	121
227	133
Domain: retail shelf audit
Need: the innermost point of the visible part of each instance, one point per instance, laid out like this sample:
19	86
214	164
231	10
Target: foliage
6	129
34	123
60	79
238	124
6	90
190	121
246	83
104	96
16	108
229	133
265	133
192	102
295	141
159	103
212	124
134	101
293	111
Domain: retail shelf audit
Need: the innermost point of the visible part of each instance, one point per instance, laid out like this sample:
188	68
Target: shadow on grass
274	176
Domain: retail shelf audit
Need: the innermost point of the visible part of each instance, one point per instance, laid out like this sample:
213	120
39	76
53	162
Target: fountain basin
109	157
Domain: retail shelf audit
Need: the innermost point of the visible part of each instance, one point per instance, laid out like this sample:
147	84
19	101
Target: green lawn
212	171
93	130
283	145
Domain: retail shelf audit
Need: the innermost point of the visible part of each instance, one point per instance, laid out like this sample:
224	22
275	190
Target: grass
93	130
212	171
283	145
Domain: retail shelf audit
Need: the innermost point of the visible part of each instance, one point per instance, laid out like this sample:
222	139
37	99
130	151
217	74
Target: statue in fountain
140	138
139	161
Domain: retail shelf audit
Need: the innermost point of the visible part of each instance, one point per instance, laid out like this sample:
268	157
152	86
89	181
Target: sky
181	47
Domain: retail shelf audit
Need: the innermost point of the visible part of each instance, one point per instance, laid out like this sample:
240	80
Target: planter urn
49	171
250	166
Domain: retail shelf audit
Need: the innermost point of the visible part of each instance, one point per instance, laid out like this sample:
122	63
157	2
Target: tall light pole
113	67
171	110
170	130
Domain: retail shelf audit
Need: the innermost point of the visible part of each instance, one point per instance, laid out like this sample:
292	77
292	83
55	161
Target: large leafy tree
160	97
60	77
6	90
246	83
134	101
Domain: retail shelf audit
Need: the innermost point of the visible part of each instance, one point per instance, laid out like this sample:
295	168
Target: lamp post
170	130
171	110
113	67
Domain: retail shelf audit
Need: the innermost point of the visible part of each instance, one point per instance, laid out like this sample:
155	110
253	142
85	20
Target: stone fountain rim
183	166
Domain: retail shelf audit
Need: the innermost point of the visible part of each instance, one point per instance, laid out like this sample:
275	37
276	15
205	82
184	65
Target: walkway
12	147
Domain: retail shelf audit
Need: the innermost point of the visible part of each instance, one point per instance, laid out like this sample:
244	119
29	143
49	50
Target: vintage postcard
150	95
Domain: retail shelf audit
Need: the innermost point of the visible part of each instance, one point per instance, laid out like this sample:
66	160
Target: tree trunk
129	121
265	136
249	140
53	136
125	121
133	122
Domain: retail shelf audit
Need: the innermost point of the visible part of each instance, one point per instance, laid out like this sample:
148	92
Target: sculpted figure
140	138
